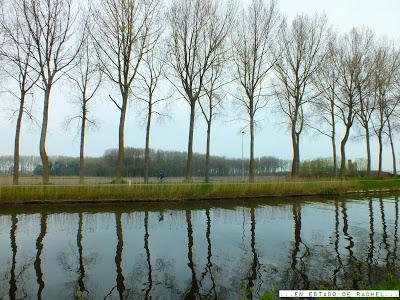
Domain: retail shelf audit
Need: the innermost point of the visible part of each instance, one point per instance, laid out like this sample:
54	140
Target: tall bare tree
198	29
387	62
150	77
87	78
351	49
17	52
302	48
211	102
51	26
364	89
122	37
391	128
325	105
254	57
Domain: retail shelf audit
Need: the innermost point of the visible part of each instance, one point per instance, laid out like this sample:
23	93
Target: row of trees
171	162
209	51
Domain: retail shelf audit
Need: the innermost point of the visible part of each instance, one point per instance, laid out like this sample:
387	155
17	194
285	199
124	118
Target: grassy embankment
189	191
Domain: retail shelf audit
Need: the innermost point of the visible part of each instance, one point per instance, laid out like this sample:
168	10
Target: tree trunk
342	171
334	153
121	145
207	167
189	164
43	134
82	147
147	147
79	238
148	258
368	151
380	152
296	153
118	256
38	260
393	149
17	138
251	162
13	276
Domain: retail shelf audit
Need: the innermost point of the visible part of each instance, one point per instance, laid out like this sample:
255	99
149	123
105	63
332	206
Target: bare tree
326	81
387	62
87	78
364	89
51	26
301	48
254	57
351	49
390	132
122	37
211	102
150	77
198	29
17	52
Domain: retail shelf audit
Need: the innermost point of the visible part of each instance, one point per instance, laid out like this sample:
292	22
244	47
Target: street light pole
242	158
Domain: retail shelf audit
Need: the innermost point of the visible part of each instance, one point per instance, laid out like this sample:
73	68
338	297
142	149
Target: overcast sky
272	137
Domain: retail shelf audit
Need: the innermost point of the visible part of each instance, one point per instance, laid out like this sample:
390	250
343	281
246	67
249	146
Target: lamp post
242	158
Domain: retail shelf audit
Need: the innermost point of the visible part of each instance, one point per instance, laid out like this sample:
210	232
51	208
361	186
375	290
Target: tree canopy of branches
86	78
254	57
351	53
302	49
17	52
386	68
326	81
198	29
122	36
54	48
151	77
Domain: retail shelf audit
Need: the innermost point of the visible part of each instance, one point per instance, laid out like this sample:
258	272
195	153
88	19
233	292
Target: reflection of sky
230	235
272	138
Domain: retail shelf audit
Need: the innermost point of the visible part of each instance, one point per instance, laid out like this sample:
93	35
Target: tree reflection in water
355	252
38	260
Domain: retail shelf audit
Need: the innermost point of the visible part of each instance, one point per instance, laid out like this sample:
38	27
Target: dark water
206	250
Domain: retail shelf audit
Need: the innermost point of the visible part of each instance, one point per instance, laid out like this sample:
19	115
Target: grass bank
189	191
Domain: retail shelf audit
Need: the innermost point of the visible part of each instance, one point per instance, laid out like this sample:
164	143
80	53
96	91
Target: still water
206	250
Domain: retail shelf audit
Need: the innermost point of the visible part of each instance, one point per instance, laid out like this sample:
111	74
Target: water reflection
38	260
215	252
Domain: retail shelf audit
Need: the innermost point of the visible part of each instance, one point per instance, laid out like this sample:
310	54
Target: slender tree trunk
194	287
207	170
393	149
334	156
342	171
121	144
251	163
368	150
43	134
147	147
148	257
38	260
189	164
380	152
82	147
79	237
13	278
296	153
17	139
118	256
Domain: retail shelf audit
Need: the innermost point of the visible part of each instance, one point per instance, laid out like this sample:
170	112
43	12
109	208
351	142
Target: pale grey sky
272	139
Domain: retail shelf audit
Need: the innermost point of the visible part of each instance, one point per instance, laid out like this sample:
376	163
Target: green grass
188	191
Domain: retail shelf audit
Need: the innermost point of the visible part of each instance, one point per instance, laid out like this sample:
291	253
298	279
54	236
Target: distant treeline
173	163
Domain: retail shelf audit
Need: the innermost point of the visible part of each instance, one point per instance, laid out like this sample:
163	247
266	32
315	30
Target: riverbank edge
175	193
